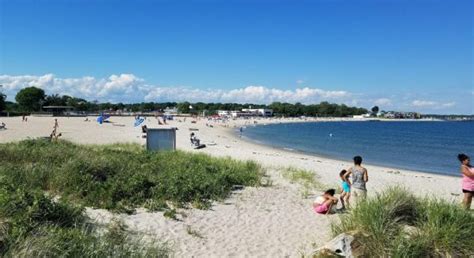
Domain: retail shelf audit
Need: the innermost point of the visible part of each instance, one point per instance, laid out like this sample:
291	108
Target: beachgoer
194	140
346	189
359	179
467	172
323	204
3	126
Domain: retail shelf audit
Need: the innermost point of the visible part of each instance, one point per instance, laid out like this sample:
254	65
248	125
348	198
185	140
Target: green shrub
305	178
437	228
33	225
53	241
122	177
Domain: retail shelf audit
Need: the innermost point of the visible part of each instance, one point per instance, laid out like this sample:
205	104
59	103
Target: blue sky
405	55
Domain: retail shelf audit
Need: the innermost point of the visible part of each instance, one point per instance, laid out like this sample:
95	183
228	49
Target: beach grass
33	224
395	223
44	187
307	179
122	177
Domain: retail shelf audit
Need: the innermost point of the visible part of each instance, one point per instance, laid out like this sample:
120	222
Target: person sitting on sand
323	204
3	126
194	140
359	179
346	189
467	172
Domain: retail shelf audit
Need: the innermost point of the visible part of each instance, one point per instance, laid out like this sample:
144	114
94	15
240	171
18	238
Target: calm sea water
422	146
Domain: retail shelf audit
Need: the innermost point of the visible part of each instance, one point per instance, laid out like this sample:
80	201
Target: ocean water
423	146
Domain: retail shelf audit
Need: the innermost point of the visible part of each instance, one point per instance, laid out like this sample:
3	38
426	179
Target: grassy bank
398	224
115	177
122	177
33	225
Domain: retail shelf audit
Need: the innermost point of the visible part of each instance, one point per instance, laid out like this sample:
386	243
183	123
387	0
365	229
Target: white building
171	111
223	112
258	111
361	116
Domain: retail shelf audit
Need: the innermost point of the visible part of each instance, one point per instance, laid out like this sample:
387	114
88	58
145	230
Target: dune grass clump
305	178
122	177
398	224
34	225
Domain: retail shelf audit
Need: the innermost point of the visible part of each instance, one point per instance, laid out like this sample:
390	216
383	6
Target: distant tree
184	107
30	98
375	110
3	97
54	100
147	106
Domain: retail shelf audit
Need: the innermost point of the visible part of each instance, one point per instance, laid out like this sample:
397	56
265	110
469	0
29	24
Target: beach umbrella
102	118
139	121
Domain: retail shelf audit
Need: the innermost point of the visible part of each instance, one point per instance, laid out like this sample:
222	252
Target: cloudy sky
399	55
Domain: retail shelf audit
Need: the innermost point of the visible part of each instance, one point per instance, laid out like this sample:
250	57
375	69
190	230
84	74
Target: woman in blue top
346	189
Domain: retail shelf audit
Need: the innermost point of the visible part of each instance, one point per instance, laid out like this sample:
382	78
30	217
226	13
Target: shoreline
322	156
232	133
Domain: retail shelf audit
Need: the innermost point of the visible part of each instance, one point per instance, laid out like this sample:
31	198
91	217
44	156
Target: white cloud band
130	88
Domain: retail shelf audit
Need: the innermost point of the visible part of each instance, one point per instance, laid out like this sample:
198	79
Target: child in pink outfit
323	204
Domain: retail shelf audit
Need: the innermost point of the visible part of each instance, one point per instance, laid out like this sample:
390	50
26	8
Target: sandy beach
274	221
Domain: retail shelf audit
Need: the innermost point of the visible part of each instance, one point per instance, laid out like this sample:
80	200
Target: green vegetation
398	224
122	177
305	178
2	100
34	225
31	99
375	110
39	181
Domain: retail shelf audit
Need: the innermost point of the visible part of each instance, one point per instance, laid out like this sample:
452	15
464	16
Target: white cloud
249	94
432	104
423	103
130	88
300	81
448	105
383	102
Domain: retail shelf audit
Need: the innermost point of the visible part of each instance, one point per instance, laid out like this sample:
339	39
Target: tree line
32	99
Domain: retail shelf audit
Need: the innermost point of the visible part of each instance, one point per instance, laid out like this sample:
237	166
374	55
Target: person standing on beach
345	189
467	172
359	178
